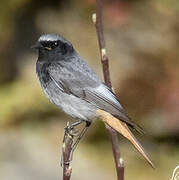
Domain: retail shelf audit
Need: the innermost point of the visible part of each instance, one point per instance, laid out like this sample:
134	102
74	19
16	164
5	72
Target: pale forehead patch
52	37
49	37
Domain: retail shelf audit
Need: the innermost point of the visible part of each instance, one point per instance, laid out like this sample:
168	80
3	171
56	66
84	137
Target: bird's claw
71	131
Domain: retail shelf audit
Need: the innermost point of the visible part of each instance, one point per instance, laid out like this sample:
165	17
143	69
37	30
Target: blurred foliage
21	102
145	33
142	40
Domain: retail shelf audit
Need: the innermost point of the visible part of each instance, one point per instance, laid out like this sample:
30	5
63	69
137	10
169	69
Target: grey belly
70	104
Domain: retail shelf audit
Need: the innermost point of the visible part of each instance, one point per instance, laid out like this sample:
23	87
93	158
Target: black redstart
74	87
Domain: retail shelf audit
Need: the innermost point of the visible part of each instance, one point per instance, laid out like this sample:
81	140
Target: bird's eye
49	45
53	44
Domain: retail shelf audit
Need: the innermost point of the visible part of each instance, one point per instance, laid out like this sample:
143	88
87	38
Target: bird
71	84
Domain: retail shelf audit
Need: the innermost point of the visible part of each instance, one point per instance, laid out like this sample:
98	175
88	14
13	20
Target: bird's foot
71	131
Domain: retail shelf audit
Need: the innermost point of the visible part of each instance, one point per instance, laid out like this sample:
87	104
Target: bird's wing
106	100
84	84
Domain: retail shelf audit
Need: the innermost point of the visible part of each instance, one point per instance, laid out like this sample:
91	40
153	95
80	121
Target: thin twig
97	19
66	151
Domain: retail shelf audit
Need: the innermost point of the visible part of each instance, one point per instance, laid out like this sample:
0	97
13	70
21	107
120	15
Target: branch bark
66	150
97	19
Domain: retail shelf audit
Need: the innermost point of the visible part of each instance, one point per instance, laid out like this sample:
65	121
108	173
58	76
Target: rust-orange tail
122	128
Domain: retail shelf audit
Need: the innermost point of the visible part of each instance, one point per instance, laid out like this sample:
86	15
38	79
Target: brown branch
97	19
66	151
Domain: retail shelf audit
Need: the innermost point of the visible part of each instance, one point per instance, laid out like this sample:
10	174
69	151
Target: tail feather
130	123
123	129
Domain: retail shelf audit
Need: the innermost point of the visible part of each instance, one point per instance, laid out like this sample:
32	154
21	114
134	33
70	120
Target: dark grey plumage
71	84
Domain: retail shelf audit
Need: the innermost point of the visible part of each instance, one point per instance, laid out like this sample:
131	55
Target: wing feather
90	89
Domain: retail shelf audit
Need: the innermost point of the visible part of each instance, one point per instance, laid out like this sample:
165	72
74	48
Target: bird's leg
69	134
70	128
83	131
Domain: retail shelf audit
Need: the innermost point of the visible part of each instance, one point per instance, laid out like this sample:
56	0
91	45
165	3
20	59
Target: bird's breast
43	74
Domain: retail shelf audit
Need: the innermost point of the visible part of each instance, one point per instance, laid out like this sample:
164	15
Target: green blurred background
142	40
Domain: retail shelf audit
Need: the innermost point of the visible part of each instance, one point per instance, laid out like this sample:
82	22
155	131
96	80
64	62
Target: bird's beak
36	46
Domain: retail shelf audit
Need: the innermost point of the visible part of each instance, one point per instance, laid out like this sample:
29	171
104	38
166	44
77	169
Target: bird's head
53	44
